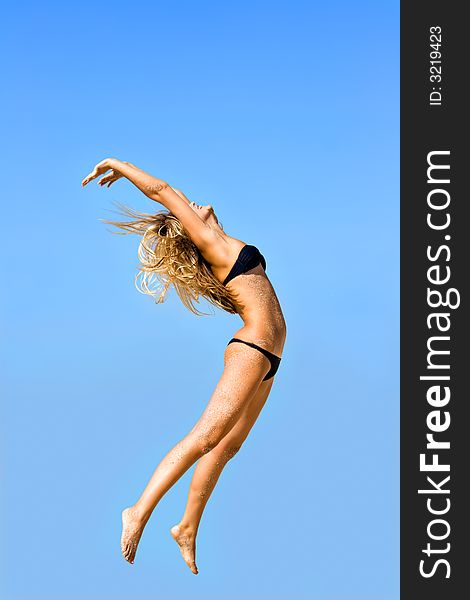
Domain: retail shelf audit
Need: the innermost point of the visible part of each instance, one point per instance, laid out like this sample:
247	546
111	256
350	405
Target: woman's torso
257	302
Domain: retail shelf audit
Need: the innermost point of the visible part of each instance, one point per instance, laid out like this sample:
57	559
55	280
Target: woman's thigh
232	441
244	370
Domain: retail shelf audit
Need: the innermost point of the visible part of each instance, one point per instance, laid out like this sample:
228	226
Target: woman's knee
230	450
228	447
205	440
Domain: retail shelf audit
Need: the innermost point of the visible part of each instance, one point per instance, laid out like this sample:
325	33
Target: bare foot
186	540
132	528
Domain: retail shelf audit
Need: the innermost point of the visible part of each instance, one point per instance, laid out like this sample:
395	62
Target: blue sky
285	117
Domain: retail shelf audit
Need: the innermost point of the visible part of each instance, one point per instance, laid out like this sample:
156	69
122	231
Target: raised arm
160	191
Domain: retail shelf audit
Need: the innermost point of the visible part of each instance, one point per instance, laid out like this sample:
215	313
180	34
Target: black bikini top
248	258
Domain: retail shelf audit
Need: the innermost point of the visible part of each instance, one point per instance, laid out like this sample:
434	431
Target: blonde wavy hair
168	257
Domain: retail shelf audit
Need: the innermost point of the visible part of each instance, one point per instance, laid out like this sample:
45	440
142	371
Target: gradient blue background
285	116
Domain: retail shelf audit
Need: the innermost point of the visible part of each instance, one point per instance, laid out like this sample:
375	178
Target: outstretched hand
100	169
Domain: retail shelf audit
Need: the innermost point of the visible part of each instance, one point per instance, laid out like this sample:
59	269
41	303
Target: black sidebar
435	354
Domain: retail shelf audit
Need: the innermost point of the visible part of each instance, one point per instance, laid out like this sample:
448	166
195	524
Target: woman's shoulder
225	252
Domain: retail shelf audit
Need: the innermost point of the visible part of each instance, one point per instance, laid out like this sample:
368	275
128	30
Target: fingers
109	179
93	175
87	179
99	169
104	180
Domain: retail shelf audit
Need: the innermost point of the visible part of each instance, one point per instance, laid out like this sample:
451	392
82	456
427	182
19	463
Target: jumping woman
185	246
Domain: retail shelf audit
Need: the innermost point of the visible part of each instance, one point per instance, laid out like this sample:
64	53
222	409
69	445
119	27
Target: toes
126	549
190	561
129	554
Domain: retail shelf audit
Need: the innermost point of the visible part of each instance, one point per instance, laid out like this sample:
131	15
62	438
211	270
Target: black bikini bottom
273	359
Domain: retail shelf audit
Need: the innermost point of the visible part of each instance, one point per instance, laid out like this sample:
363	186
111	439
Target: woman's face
205	212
